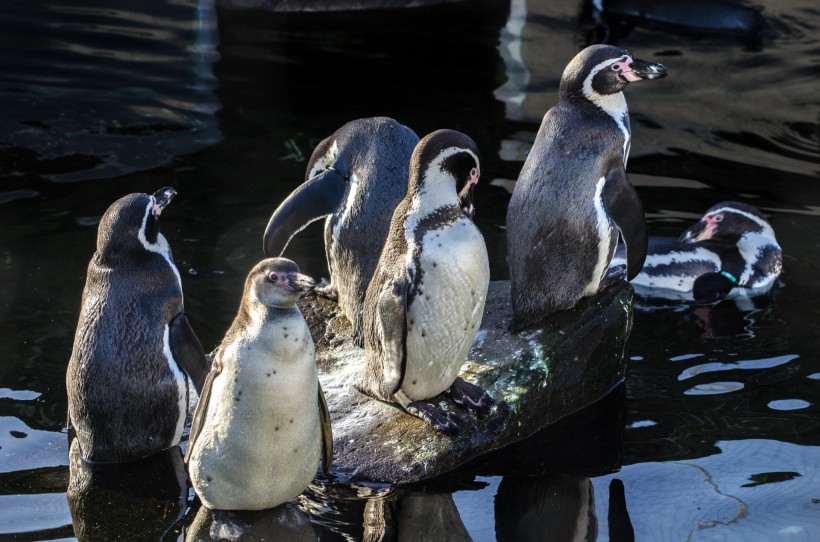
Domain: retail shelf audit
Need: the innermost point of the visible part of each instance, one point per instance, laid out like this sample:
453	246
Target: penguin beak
701	231
162	198
465	195
642	69
297	282
315	199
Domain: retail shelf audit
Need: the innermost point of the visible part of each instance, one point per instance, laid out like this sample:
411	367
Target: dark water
99	99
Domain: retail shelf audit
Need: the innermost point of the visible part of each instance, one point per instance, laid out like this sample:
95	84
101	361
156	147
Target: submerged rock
536	377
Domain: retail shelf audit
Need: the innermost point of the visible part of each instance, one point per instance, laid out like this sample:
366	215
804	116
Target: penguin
731	251
134	351
355	177
573	197
426	300
262	424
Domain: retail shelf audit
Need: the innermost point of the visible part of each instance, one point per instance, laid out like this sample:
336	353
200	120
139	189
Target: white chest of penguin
262	438
446	310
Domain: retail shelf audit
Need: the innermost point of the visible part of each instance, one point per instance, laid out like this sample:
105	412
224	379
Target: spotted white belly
444	317
261	442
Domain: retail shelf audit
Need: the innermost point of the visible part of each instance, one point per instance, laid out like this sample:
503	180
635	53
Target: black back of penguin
124	397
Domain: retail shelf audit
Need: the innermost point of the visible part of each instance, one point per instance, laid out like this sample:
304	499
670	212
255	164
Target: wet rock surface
536	377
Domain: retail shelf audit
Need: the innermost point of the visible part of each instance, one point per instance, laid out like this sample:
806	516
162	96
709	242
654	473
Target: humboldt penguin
134	351
262	424
357	176
731	250
573	196
426	300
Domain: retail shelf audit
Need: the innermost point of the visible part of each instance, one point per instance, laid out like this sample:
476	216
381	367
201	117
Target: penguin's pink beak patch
472	181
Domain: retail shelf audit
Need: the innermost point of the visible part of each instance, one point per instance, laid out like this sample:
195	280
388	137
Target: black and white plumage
731	251
262	424
573	197
426	300
127	387
357	176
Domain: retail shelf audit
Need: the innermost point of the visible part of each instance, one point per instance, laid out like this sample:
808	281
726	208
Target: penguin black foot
327	290
442	420
470	396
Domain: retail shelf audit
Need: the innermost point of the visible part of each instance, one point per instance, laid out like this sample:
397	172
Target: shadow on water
721	403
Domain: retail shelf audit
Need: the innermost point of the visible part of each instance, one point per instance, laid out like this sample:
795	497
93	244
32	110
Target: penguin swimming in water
731	250
262	424
573	196
357	176
426	300
134	351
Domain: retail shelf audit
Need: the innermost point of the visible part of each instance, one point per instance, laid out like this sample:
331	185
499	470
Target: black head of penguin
603	70
450	152
130	226
276	283
726	223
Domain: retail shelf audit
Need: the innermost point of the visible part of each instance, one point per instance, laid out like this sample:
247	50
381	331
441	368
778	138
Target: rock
537	377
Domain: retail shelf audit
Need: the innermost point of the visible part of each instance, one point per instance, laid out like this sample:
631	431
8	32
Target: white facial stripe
767	229
604	234
613	105
325	161
161	246
181	381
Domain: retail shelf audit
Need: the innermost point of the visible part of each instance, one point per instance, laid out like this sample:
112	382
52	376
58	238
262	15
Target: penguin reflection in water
262	423
573	197
134	351
730	252
426	300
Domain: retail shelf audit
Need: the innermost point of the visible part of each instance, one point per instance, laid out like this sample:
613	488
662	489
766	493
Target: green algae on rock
536	377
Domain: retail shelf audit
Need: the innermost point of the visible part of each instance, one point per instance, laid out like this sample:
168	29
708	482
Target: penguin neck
751	245
434	196
614	106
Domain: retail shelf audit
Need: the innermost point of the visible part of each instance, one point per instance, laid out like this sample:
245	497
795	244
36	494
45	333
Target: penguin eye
718	218
272	277
615	67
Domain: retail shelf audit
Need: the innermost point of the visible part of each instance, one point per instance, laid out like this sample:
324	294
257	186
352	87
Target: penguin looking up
426	300
355	177
126	380
262	423
573	197
732	251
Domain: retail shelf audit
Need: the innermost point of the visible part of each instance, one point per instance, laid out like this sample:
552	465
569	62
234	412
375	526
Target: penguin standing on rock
133	349
357	176
731	250
262	424
426	300
573	196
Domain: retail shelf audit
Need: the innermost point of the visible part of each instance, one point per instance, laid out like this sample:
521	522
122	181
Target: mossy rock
536	377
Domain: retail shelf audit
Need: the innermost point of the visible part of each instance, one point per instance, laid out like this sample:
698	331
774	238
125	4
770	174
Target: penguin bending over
426	300
262	424
355	177
731	250
573	196
134	351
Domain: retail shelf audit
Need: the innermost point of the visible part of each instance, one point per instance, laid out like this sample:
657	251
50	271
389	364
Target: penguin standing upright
573	196
426	300
732	249
262	424
126	380
357	176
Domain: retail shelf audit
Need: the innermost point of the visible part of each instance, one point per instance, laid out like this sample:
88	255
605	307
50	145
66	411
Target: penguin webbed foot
470	396
613	275
444	421
327	290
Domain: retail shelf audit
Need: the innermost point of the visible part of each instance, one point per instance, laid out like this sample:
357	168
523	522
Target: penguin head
728	222
601	70
446	163
131	225
277	283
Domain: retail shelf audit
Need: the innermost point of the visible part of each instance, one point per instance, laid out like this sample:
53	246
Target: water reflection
284	523
140	500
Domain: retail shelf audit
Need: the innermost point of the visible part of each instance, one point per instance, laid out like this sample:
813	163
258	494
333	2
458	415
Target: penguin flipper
187	350
392	316
623	205
327	433
202	408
